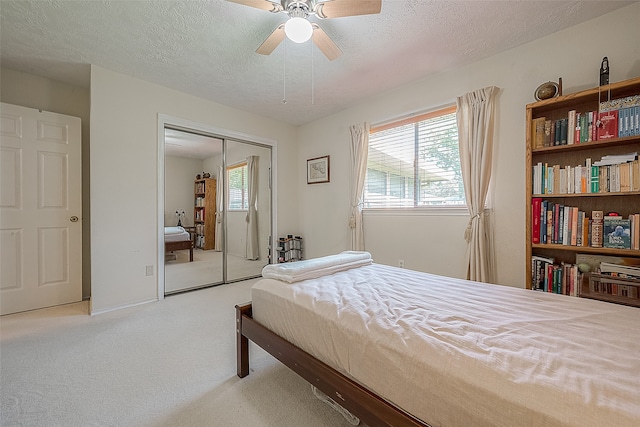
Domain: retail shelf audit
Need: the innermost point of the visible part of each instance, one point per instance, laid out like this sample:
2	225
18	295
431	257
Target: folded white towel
316	267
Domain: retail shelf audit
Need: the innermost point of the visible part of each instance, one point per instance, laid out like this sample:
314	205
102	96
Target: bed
397	347
177	239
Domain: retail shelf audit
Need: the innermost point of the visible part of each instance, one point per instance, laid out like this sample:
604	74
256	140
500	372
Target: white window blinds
237	179
415	163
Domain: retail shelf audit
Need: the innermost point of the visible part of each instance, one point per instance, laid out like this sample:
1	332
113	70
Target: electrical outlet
401	263
149	270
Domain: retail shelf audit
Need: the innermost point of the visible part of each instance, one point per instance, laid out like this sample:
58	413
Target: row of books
546	276
200	229
616	118
200	202
577	128
603	176
555	223
611	285
566	279
200	187
199	216
200	241
616	280
620	118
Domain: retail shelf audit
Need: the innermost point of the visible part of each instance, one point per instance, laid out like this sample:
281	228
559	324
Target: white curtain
475	111
359	155
253	249
219	209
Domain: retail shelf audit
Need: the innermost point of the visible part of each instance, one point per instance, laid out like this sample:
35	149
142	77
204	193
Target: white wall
124	165
436	243
31	91
179	173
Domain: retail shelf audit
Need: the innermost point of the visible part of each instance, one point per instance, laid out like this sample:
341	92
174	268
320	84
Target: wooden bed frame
372	409
181	245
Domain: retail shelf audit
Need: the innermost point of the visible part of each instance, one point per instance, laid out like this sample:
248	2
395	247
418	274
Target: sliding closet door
191	202
247	208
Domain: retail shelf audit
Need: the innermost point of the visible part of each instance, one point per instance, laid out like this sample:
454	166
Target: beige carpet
170	363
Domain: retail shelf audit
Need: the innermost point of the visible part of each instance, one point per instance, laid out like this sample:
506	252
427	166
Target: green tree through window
415	163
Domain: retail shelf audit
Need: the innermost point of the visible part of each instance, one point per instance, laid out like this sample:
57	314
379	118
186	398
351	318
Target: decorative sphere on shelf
546	90
584	268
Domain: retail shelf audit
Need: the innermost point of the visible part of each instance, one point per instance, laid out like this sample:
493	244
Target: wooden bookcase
625	203
204	213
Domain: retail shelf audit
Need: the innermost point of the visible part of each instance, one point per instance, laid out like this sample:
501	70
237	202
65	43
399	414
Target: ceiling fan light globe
298	30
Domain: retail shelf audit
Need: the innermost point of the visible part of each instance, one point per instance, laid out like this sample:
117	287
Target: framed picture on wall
318	170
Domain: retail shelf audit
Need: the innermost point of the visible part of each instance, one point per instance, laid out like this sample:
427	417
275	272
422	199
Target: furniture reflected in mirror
177	239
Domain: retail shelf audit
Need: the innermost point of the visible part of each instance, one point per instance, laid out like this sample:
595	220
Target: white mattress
460	353
176	234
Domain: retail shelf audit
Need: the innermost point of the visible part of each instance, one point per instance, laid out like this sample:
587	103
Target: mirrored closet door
217	209
192	165
248	208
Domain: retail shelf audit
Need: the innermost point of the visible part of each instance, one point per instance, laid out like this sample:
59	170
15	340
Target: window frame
423	210
244	190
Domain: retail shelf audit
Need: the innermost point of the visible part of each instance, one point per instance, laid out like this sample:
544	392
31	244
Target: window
415	163
238	187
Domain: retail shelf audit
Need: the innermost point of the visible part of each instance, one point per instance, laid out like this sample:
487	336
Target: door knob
73	219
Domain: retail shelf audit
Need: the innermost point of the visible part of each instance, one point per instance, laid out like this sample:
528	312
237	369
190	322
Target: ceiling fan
299	29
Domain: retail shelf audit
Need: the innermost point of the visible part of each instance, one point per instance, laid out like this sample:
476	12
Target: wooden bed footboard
372	409
178	246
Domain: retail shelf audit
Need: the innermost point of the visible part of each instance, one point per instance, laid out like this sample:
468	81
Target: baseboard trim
93	312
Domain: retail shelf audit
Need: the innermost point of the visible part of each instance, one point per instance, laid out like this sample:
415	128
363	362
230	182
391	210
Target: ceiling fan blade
324	43
272	41
269	6
341	8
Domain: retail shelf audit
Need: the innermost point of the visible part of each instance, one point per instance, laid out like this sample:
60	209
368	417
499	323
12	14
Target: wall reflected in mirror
192	165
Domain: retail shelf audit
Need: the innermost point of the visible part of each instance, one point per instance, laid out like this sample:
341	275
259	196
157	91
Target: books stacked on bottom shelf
618	270
563	278
614	282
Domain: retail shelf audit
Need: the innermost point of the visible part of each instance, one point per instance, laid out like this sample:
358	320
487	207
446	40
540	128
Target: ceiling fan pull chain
284	76
313	91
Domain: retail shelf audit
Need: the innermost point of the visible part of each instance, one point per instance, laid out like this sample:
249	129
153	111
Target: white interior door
40	209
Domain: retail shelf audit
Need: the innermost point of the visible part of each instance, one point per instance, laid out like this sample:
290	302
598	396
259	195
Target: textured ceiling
207	48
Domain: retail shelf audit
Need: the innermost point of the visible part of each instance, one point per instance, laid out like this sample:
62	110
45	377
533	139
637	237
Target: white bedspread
460	353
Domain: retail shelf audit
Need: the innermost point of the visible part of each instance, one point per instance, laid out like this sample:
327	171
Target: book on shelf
574	215
635	231
536	206
608	127
548	138
543	221
597	228
571	127
538	132
616	159
539	272
616	232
